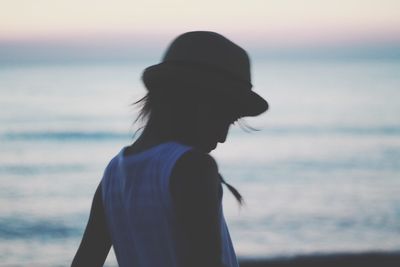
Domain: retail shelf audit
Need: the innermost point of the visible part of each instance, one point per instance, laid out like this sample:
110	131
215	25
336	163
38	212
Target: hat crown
210	49
206	62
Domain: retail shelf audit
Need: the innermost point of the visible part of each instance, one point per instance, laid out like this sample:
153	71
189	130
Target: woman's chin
212	147
207	148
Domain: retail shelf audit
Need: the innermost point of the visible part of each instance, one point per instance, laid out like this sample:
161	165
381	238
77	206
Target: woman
159	202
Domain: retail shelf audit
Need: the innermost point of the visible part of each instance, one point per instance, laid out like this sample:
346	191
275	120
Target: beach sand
332	260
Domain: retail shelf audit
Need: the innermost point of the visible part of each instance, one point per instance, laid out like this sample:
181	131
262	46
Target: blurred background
321	176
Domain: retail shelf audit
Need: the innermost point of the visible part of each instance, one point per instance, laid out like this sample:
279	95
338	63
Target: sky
121	24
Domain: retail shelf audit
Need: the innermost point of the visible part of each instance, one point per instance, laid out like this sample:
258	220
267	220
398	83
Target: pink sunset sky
258	24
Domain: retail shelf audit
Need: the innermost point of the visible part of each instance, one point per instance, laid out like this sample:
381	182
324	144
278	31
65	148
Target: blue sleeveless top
138	208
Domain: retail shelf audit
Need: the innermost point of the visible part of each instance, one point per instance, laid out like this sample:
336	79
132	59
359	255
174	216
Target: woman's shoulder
195	170
196	161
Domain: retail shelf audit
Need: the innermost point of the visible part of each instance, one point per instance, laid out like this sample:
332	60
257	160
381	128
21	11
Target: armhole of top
105	180
168	178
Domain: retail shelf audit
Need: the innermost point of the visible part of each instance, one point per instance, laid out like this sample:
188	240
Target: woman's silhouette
159	202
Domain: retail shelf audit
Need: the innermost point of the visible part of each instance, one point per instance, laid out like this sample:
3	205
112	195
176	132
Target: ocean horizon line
25	54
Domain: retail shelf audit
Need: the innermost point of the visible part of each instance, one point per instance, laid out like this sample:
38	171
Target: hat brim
248	103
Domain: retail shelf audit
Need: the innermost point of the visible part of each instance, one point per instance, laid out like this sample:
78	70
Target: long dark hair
163	109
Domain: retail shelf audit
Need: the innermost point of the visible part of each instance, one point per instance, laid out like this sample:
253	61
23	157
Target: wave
64	136
29	169
19	228
312	130
110	135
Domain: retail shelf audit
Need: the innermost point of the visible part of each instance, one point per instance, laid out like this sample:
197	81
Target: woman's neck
151	137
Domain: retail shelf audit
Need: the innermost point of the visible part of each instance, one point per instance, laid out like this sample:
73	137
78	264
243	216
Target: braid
233	190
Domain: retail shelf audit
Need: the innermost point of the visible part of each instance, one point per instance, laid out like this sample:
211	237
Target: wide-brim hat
209	62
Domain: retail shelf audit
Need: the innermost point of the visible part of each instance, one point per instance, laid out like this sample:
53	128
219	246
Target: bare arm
194	188
96	242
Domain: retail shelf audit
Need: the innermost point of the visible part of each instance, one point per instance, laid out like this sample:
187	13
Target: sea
320	174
